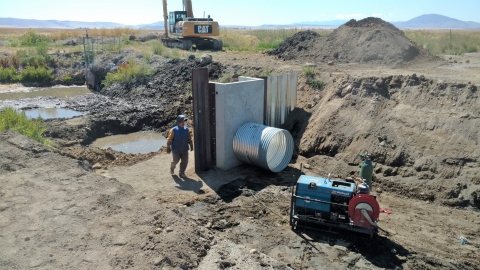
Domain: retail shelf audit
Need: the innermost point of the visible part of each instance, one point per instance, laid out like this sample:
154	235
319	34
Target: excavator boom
188	8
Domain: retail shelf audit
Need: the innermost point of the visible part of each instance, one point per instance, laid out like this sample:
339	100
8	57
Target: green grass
308	72
439	42
129	73
10	119
317	84
157	47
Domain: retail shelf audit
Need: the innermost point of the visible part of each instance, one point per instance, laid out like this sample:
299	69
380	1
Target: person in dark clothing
178	140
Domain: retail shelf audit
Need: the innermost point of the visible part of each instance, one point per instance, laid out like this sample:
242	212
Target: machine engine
335	203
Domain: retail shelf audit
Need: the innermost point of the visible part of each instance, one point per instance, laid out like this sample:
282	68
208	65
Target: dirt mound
105	158
289	49
370	40
422	134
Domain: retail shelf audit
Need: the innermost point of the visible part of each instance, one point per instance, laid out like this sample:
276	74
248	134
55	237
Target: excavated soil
370	40
422	134
422	131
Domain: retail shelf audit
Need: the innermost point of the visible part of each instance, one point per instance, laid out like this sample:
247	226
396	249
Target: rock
383	143
310	64
307	166
378	190
330	63
309	105
467	61
206	59
97	166
454	61
168	229
252	251
209	225
191	57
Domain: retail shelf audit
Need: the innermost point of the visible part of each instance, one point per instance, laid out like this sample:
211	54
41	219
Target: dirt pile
104	158
423	134
370	40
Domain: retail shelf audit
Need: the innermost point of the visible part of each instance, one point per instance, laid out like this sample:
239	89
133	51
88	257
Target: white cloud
350	16
377	15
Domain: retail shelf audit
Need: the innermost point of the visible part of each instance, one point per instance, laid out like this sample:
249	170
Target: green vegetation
8	75
129	73
67	79
10	119
157	47
30	74
456	42
309	73
315	83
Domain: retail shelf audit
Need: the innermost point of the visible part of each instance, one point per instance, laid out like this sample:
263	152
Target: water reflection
59	92
51	113
133	143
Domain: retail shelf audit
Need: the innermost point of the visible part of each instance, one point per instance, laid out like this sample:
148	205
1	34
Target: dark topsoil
370	40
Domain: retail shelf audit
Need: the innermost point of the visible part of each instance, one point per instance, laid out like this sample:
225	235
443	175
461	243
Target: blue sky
238	12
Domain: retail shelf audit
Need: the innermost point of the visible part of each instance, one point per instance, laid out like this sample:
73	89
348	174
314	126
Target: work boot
172	172
182	175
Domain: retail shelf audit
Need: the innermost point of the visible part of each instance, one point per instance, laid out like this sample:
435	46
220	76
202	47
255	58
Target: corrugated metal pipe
266	147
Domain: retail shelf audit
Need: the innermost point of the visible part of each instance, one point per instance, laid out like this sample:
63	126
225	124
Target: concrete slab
236	103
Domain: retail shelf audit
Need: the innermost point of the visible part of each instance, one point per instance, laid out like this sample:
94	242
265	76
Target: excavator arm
165	17
188	8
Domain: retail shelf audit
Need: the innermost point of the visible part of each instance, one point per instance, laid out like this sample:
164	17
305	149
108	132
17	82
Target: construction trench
78	206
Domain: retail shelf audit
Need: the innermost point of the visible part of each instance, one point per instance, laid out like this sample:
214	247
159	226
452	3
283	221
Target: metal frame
93	46
313	223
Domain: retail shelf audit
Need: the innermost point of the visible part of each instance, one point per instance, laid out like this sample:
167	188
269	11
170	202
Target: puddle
134	143
51	113
31	92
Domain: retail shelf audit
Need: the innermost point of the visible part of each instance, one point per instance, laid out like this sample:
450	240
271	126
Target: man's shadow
186	183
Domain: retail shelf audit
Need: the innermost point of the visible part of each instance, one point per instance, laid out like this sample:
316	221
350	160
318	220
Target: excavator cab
175	17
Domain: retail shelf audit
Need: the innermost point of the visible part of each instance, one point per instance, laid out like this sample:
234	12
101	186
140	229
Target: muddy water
31	92
51	113
134	143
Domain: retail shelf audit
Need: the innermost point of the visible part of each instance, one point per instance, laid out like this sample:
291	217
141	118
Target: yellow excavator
183	30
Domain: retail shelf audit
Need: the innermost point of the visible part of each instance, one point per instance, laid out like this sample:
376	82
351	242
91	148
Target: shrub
128	73
40	74
175	53
8	75
15	62
31	38
10	119
315	83
4	63
42	48
147	56
157	47
308	72
67	79
33	61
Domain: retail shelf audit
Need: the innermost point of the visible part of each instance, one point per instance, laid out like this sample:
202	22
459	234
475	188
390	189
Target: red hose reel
364	210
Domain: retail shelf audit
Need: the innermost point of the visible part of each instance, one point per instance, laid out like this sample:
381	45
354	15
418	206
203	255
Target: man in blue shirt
178	140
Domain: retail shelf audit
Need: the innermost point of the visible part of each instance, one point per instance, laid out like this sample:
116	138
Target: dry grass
442	42
59	34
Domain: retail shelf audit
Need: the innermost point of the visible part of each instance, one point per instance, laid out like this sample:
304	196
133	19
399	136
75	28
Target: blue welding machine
323	198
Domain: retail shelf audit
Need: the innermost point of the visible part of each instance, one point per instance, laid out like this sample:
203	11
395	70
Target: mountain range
427	21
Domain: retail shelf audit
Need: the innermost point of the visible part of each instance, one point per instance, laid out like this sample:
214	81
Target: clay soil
85	208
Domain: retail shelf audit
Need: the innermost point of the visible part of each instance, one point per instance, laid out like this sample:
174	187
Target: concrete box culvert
266	147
